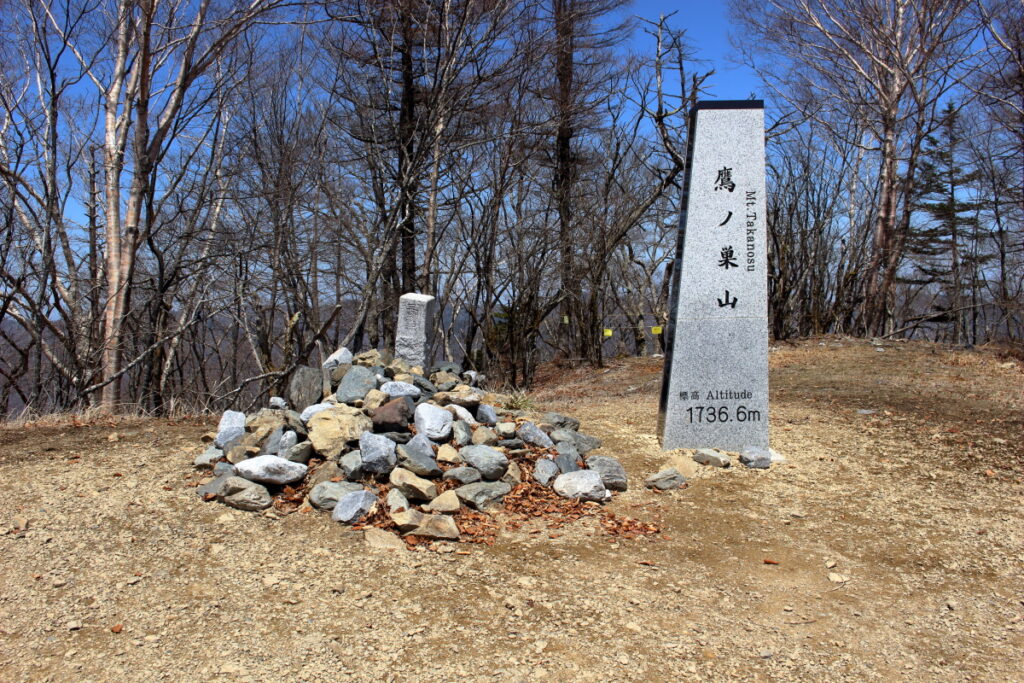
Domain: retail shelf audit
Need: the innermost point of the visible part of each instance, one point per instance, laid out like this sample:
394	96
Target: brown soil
918	506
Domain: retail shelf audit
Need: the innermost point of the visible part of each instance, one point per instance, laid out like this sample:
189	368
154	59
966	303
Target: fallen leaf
117	628
767	561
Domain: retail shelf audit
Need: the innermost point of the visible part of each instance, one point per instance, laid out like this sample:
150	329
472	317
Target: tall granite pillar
715	388
415	317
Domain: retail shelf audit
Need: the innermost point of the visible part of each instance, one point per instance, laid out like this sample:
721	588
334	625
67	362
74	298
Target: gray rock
396	500
424	385
447	366
461	413
584	443
511	444
398	437
484	436
272	444
484	494
400	390
486	414
582	484
417	456
208	457
310	411
354	385
223	468
340	357
613	474
462	433
378	453
306	387
568	435
707	456
561	421
245	495
544	471
285	443
471	377
277	403
214	487
352	465
300	452
505	430
326	494
406	519
352	507
433	422
567	458
230	430
756	457
271	469
491	463
463	475
666	479
531	434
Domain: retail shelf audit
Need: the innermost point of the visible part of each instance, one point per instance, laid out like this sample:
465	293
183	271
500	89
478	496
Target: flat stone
491	463
223	468
398	437
756	457
484	436
486	414
511	444
425	386
440	527
585	443
449	455
332	430
245	495
354	506
613	474
310	411
325	495
707	456
462	433
208	457
666	479
446	503
378	539
271	469
400	390
305	387
560	421
356	383
433	422
465	397
544	471
369	359
230	430
406	519
531	434
393	415
417	456
300	452
411	486
214	487
377	453
582	484
463	475
325	472
484	494
352	465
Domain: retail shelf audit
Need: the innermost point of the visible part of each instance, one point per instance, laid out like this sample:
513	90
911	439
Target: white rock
340	357
582	484
433	422
271	469
230	430
310	411
400	389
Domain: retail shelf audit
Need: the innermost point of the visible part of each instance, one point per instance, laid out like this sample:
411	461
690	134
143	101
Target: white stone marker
715	388
415	314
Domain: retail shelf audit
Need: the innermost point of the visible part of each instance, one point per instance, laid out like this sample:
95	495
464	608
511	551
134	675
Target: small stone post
415	315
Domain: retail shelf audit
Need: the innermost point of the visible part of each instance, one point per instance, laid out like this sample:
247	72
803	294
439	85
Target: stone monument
715	388
415	313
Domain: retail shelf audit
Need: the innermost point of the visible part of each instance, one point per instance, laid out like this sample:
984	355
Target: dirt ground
915	510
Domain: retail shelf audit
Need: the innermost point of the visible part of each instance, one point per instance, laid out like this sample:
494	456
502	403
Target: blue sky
707	27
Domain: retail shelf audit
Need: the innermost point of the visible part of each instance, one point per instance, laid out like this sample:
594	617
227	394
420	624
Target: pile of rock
373	438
